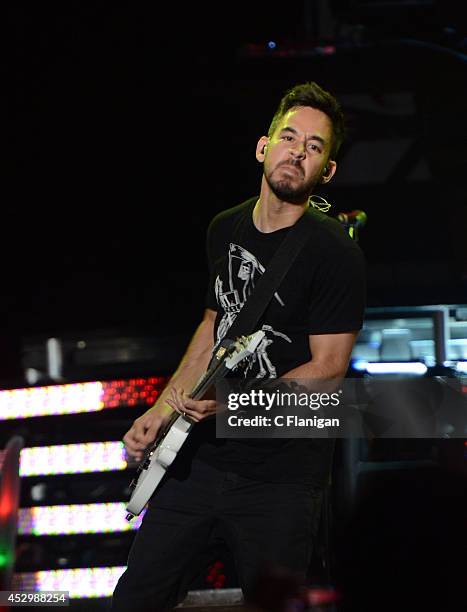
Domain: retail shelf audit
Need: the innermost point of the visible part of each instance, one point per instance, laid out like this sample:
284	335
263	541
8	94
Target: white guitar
170	439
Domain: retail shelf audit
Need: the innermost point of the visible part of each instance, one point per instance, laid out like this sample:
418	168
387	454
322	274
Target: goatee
284	190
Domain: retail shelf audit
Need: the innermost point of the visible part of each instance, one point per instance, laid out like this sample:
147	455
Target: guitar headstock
242	348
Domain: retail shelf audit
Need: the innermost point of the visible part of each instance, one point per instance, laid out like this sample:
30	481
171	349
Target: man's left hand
196	410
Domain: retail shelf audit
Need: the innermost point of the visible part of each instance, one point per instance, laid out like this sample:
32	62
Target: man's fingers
136	456
195	409
174	406
130	441
179	399
137	439
134	446
200	406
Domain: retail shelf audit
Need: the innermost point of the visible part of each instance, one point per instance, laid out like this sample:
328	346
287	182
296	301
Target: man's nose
298	150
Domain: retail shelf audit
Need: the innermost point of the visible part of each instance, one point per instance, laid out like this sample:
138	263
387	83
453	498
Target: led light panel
80	582
57	399
72	519
79	397
72	459
401	367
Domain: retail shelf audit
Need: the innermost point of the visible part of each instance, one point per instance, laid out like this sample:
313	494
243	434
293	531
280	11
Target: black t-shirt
323	293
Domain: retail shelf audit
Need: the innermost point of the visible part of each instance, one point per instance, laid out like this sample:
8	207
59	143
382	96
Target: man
261	497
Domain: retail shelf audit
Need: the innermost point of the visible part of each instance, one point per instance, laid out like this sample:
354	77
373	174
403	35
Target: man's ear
328	171
261	148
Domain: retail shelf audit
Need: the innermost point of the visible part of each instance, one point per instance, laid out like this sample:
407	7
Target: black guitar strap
248	317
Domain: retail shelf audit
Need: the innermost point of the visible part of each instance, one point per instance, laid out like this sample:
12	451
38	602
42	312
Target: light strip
72	519
72	459
360	365
79	397
79	582
461	366
396	367
57	399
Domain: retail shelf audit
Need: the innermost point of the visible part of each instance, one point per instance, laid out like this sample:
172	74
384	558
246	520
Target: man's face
297	153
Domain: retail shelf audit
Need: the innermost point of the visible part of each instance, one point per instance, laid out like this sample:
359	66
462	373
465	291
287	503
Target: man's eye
314	147
288	138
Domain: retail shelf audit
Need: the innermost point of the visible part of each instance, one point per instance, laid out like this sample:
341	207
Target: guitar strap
248	317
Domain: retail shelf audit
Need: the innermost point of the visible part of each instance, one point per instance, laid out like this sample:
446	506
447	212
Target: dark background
132	125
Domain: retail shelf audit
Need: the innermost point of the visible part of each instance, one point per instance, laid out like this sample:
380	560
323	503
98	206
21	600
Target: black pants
264	525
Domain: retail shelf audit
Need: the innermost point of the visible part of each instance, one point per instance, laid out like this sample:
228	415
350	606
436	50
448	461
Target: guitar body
162	453
157	462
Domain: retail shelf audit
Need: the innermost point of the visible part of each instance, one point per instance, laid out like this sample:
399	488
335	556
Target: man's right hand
144	430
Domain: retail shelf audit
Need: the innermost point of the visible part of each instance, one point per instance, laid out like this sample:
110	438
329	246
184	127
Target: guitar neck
208	379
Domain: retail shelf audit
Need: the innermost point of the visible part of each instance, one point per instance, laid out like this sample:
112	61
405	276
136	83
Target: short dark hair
311	94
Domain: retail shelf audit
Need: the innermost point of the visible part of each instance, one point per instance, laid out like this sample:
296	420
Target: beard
286	188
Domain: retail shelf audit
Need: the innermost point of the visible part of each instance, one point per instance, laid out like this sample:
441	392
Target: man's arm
193	364
327	367
330	356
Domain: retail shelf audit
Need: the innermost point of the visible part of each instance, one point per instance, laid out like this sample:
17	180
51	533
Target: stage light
79	397
53	400
360	365
74	519
395	367
79	582
5	558
72	459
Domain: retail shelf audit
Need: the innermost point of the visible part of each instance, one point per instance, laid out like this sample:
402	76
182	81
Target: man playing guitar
261	497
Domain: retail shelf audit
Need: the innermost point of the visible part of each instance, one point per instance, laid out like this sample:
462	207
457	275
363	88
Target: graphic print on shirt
243	272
